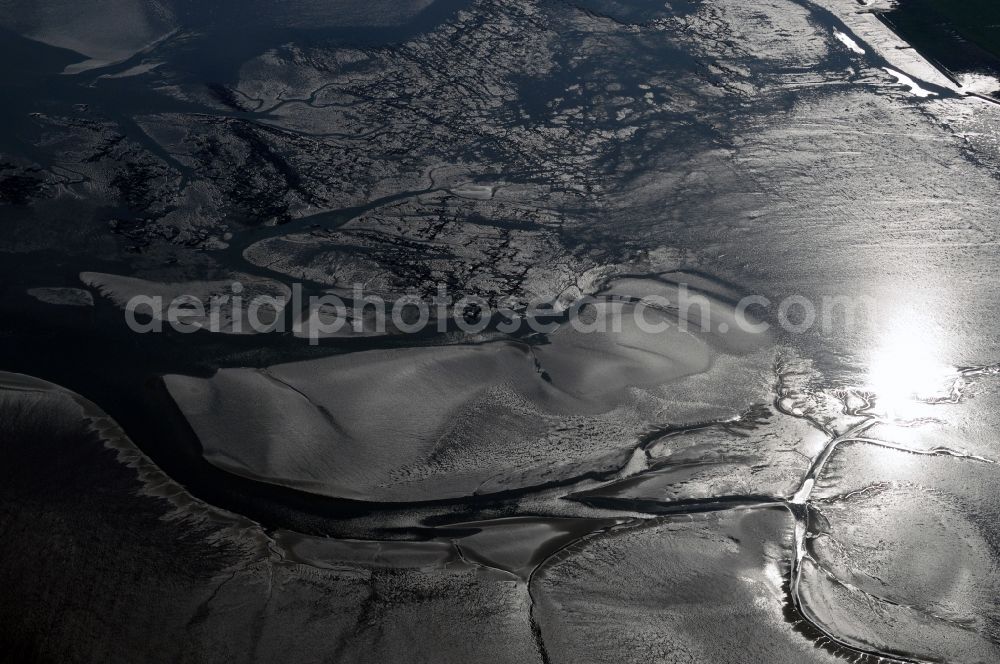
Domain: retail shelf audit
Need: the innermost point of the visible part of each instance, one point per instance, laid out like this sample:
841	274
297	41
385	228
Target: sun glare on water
904	374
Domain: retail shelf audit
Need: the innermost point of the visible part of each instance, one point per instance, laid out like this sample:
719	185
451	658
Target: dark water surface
961	35
546	497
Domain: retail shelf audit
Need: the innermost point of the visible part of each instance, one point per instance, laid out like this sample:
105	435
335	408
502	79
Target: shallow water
963	37
693	494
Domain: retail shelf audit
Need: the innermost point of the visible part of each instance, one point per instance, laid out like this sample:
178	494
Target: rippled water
805	493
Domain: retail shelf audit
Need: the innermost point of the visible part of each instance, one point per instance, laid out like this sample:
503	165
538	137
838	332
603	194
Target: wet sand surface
697	495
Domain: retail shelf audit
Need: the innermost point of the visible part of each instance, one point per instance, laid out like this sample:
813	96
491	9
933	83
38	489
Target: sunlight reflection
905	372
